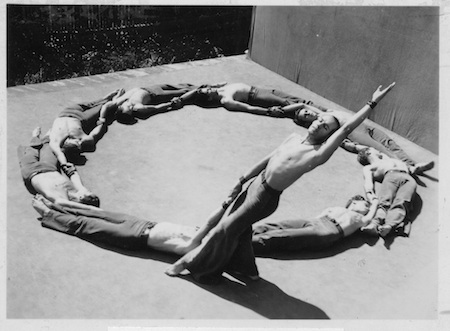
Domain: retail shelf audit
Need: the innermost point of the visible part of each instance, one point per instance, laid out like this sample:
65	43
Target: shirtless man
144	102
395	193
41	174
297	155
121	230
243	97
78	127
329	227
369	136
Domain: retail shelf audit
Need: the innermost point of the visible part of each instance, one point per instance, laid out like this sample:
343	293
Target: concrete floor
178	167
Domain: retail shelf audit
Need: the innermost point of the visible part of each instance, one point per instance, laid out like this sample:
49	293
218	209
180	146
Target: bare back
235	91
290	161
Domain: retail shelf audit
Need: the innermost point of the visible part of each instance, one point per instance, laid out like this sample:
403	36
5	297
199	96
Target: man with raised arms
230	238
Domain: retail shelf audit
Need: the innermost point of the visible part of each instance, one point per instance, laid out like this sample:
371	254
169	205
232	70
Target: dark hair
363	156
71	151
204	99
337	122
110	111
91	199
353	198
123	118
301	122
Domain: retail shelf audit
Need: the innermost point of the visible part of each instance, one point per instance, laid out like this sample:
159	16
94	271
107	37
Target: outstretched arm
352	146
234	105
73	204
372	211
55	143
337	137
369	186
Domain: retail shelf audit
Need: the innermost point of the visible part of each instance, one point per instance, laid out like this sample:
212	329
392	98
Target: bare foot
40	207
370	229
36	132
384	230
421	167
175	269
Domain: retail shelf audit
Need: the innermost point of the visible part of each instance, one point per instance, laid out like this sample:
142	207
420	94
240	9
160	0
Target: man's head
358	204
124	113
368	155
207	95
323	127
86	198
74	146
90	199
305	117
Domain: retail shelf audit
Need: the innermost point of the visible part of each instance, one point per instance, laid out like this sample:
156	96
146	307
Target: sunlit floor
178	167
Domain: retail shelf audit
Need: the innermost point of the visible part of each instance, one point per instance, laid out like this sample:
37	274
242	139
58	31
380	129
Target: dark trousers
294	235
269	98
34	159
115	229
165	92
87	113
229	243
395	195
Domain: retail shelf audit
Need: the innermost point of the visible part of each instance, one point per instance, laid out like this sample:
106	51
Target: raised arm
333	142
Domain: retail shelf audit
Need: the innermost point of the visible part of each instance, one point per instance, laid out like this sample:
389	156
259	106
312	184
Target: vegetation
37	52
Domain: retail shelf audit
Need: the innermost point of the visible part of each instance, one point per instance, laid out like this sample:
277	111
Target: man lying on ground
144	102
365	134
329	227
78	127
121	230
41	174
395	192
275	103
296	156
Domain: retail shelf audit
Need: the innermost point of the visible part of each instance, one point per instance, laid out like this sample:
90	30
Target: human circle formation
224	243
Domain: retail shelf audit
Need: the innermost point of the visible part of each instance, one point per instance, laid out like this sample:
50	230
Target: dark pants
390	144
269	98
164	92
295	235
115	229
229	244
87	113
35	159
395	195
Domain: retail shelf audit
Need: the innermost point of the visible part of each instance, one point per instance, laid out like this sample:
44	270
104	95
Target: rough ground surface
178	167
